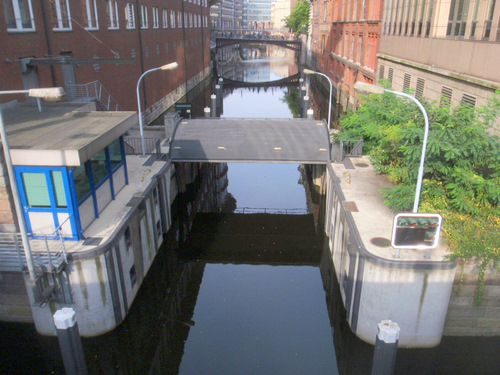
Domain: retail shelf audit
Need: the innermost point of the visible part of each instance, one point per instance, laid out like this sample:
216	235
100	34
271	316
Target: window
61	15
99	167
91	14
156	18
58	185
82	183
128	238
381	72
115	154
179	20
144	17
19	15
130	15
390	75
458	18
114	22
172	18
165	18
37	191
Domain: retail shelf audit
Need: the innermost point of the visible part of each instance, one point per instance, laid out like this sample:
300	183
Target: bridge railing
351	147
133	146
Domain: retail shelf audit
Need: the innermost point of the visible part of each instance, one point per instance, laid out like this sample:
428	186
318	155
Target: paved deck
303	141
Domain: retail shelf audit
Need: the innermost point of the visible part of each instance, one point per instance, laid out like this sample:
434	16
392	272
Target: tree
298	17
462	168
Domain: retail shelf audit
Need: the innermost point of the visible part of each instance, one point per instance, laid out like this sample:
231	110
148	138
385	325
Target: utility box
416	231
183	109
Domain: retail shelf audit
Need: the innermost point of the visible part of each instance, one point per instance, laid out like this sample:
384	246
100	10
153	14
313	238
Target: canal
251	289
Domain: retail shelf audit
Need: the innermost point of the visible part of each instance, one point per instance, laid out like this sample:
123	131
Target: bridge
283	82
295	45
219	140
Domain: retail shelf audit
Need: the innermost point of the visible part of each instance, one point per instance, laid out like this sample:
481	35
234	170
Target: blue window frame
46	190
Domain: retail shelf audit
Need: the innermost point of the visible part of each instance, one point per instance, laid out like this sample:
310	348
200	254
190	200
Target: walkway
301	141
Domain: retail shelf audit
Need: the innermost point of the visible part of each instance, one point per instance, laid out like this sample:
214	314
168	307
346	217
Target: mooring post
310	114
386	347
206	111
70	342
305	106
213	98
219	91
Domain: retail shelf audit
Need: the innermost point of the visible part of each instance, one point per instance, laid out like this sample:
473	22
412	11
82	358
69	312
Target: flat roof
261	140
63	134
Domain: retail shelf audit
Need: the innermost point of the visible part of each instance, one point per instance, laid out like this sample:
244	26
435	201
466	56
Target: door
46	199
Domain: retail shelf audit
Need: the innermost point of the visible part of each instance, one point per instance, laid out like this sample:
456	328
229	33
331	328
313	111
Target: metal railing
48	255
133	146
87	92
351	147
275	211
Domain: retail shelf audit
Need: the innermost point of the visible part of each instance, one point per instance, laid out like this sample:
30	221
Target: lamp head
308	71
170	66
51	94
368	88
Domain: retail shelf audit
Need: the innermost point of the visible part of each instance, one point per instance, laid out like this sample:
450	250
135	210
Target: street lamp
368	88
170	66
309	71
51	94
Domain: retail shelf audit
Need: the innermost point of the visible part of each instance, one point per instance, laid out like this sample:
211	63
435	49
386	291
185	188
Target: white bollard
70	342
386	347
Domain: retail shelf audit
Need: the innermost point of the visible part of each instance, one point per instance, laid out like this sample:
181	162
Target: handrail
94	90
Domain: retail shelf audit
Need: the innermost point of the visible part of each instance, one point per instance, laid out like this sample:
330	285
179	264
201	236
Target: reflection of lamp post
52	94
368	88
309	71
170	66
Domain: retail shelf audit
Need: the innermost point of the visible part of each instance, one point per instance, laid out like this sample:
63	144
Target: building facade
227	15
344	41
67	43
445	51
257	14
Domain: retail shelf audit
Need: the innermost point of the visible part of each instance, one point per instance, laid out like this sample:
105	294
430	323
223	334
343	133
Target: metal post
424	147
70	342
213	98
386	347
206	111
310	114
305	106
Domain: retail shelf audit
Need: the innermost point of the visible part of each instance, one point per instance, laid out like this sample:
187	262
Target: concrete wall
412	293
464	317
105	280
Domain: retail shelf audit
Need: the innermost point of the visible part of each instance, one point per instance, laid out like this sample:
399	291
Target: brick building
92	34
345	38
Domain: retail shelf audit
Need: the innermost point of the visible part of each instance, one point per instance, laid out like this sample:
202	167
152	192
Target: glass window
59	192
144	17
130	15
82	184
113	20
91	13
18	15
115	154
61	15
37	192
99	167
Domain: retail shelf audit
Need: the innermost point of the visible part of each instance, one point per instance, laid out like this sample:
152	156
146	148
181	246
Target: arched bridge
301	141
287	81
295	45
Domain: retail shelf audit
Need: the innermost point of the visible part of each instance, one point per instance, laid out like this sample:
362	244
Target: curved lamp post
50	94
368	88
309	71
170	66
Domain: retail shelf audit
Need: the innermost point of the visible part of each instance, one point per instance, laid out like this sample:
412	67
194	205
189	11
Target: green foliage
462	167
293	100
298	17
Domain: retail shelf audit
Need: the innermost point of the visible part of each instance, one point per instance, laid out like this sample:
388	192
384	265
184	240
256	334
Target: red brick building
147	33
345	39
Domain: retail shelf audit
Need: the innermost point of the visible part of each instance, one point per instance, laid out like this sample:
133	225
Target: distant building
257	14
227	15
279	10
93	48
441	50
